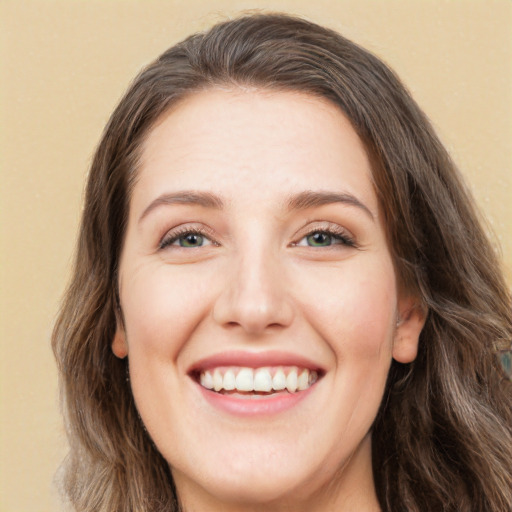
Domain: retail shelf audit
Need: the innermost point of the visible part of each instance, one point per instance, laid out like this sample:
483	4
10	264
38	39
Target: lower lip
255	406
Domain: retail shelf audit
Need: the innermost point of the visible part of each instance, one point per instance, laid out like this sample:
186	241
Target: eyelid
311	227
330	228
175	233
325	226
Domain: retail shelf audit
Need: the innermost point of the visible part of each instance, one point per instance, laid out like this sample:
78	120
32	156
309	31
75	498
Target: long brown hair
442	439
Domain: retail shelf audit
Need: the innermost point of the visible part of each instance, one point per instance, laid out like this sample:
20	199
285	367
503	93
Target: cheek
161	307
369	314
362	340
356	313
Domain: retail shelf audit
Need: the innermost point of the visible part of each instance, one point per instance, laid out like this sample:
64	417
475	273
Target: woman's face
255	259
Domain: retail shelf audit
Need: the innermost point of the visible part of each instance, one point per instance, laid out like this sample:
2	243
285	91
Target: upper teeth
258	379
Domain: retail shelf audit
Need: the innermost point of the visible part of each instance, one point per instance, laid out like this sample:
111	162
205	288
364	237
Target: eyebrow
301	201
311	199
186	197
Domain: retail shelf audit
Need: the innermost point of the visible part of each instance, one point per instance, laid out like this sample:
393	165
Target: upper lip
254	360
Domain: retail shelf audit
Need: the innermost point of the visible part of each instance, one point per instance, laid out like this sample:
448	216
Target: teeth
279	380
303	380
217	380
229	382
261	379
245	380
291	381
206	380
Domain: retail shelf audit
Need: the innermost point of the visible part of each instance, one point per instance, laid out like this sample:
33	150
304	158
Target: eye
319	239
191	240
326	238
188	239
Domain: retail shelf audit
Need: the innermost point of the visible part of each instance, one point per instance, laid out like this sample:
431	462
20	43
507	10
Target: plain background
65	64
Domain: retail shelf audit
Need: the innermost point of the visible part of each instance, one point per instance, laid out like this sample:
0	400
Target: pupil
320	239
191	240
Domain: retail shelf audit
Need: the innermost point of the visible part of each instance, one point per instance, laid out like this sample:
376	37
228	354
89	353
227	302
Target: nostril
253	329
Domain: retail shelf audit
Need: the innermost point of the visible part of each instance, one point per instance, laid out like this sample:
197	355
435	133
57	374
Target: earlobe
119	345
409	326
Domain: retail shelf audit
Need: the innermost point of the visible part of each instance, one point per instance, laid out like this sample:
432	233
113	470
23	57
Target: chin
250	485
261	474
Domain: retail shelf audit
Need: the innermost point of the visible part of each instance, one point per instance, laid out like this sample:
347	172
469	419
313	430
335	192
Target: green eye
186	239
326	238
319	239
191	240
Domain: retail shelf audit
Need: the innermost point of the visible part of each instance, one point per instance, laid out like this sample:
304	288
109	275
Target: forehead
235	142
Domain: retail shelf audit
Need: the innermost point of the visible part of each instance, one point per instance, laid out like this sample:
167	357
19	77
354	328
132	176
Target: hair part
443	437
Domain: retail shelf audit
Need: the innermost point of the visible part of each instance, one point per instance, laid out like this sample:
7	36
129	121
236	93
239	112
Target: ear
119	345
411	319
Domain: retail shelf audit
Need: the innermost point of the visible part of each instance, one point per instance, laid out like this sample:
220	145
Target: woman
283	298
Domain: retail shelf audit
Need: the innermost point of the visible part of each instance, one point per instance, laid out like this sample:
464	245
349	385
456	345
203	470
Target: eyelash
335	232
174	235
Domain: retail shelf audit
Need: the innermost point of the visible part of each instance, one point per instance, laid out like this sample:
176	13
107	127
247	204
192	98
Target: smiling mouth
257	381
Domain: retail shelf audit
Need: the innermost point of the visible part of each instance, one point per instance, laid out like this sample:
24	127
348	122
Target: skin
257	285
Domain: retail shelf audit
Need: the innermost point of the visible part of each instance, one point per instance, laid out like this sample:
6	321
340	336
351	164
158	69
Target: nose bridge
255	296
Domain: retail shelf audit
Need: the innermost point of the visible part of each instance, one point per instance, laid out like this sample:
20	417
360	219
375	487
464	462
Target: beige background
64	65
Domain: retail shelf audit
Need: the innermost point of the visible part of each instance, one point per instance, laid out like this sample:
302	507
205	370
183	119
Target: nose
256	297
